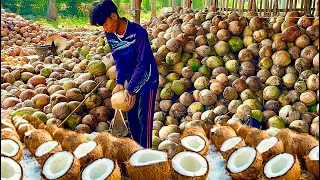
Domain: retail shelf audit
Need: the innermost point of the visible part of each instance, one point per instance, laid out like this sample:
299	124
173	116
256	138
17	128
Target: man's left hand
130	98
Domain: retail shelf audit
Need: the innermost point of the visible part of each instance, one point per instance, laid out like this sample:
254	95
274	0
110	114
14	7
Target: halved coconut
72	141
59	134
243	131
11	169
194	143
106	140
10	135
234	124
35	121
101	169
231	145
51	129
24	128
11	148
45	150
36	138
7	124
282	166
148	164
270	147
61	165
193	131
11	131
255	136
244	163
20	121
189	165
312	161
27	134
221	134
87	152
169	147
285	135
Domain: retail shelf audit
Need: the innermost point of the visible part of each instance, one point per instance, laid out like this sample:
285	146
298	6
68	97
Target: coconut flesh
189	164
57	165
9	147
147	157
230	143
98	169
266	144
46	147
314	154
279	165
241	159
194	143
84	148
10	169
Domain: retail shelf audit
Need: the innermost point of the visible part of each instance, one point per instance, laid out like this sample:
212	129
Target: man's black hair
100	11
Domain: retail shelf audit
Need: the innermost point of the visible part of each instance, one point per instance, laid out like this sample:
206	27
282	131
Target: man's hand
118	88
130	98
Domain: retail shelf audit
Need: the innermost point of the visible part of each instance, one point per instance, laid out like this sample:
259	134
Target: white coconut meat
99	169
84	148
314	154
194	143
7	124
9	147
23	125
272	131
46	147
213	130
241	159
147	157
279	165
91	136
28	133
20	121
10	169
230	143
189	164
266	144
57	164
7	129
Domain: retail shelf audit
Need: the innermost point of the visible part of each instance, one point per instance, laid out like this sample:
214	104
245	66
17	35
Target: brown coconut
255	136
72	141
35	121
312	165
24	128
59	134
96	153
36	138
243	131
276	149
203	152
220	134
19	154
106	140
114	175
42	158
226	153
51	129
284	135
195	130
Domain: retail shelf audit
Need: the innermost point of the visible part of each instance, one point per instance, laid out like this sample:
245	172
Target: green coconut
173	58
271	92
45	72
166	93
178	87
232	66
97	68
235	43
253	104
205	71
221	48
42	116
213	62
276	122
177	68
73	121
194	64
265	63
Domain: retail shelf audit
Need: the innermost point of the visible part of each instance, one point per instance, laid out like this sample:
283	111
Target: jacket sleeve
142	72
120	67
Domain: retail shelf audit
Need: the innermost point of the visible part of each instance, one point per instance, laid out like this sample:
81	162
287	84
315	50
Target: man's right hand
118	88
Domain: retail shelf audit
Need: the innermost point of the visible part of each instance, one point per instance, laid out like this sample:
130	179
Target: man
135	63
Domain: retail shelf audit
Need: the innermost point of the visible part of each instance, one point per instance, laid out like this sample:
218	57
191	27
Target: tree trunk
174	4
153	8
316	12
186	4
52	12
135	10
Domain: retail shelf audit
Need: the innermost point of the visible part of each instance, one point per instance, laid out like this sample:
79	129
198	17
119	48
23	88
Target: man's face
111	23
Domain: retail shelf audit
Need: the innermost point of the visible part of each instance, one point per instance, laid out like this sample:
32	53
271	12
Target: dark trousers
140	118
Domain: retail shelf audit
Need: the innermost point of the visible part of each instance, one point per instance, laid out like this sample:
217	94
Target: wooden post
153	8
135	10
186	4
174	4
316	12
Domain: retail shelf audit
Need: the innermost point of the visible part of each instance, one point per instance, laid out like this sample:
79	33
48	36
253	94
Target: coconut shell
42	158
234	125
157	171
10	135
193	131
206	127
72	173
19	154
226	154
285	135
293	174
96	153
220	135
276	149
252	172
243	131
60	134
203	152
116	173
6	124
24	129
51	129
312	166
255	137
22	173
35	121
176	176
36	138
72	141
106	140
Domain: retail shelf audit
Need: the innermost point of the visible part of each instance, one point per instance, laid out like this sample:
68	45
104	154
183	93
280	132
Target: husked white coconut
84	148
10	169
148	157
9	147
267	144
46	147
190	164
194	143
100	169
241	159
230	143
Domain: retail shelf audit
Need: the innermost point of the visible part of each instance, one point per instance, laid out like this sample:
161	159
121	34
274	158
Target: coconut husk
203	152
116	173
105	140
214	126
234	125
72	173
35	121
9	133
72	141
60	133
19	154
7	124
21	178
220	135
284	135
226	154
157	171
51	129
255	136
24	128
96	153
176	176
276	149
252	172
193	131
293	174
243	131
36	138
42	158
312	166
206	127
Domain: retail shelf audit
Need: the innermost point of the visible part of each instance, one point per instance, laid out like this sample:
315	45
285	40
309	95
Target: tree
52	12
153	8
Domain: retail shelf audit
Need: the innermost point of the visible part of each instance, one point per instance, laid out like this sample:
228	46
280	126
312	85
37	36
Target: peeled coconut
11	169
231	144
118	101
72	141
87	152
282	166
220	134
45	150
189	165
312	162
102	168
144	165
61	165
255	136
194	143
270	147
244	163
11	148
36	138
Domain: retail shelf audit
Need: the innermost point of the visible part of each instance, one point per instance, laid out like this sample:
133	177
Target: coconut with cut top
36	138
72	141
244	163
59	134
270	147
312	162
10	131
62	165
189	166
10	169
11	148
45	150
230	145
194	143
147	164
243	131
87	152
102	168
219	134
22	129
255	136
282	166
